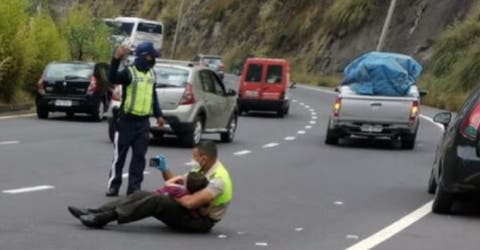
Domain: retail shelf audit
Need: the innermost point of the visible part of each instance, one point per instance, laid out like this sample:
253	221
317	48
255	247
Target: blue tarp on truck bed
380	73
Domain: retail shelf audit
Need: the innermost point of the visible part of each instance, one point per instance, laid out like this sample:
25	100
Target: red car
264	85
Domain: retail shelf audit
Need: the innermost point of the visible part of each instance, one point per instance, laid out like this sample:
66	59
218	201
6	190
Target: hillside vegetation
318	37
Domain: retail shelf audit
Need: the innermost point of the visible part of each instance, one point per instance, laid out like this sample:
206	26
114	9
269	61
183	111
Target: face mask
150	63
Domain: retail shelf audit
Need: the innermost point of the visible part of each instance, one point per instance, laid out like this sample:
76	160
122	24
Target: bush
348	14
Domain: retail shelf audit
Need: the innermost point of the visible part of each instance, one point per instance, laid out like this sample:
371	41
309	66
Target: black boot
77	212
98	220
111	192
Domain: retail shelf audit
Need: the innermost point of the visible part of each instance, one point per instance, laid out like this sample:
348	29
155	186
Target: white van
130	31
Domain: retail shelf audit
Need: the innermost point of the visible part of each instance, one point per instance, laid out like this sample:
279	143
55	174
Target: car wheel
232	128
286	110
281	113
98	113
193	138
443	201
432	184
111	129
408	141
42	113
331	138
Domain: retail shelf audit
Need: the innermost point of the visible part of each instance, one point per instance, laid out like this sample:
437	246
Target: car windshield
211	60
170	77
122	28
150	28
68	70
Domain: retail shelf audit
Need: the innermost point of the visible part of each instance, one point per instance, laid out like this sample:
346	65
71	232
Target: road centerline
27	189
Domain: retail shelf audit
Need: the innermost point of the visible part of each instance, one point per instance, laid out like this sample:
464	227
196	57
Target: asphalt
299	194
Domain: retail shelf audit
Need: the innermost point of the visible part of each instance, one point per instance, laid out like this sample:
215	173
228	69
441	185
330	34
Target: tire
286	110
432	184
281	113
231	128
98	113
443	201
193	138
331	138
111	129
42	113
408	141
157	135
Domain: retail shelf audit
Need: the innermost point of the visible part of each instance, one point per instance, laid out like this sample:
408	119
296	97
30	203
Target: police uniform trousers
131	132
142	204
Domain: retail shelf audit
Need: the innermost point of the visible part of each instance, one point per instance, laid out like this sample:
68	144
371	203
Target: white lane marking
314	113
314	118
431	120
190	163
308	127
243	152
393	228
9	142
294	100
299	229
270	145
352	237
222	236
125	175
289	138
317	89
307	106
301	132
338	203
27	189
313	122
261	244
303	104
16	116
240	233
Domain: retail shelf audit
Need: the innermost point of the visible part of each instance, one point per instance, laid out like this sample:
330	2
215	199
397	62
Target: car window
219	88
150	28
68	70
274	74
207	82
254	73
170	77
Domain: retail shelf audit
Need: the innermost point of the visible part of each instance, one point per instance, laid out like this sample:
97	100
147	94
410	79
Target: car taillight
337	105
470	125
41	86
187	97
93	85
414	110
117	93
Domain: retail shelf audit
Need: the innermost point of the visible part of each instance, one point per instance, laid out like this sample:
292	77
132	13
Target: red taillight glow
93	85
41	86
470	125
187	97
337	105
414	111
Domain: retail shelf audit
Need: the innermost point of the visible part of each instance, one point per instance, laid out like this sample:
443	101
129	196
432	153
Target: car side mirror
231	92
293	85
443	118
422	92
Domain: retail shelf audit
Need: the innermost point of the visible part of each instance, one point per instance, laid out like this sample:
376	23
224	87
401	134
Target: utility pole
179	22
386	25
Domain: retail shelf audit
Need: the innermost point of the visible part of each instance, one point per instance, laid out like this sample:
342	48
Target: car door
223	103
208	97
274	88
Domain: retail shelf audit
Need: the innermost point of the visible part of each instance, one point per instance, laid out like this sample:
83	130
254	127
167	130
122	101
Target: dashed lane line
9	142
290	138
27	189
271	145
243	152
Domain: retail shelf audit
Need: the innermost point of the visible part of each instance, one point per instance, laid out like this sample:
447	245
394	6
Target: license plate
371	128
63	103
250	93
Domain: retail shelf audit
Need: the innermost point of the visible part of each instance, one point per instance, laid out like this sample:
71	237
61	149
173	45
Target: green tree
87	37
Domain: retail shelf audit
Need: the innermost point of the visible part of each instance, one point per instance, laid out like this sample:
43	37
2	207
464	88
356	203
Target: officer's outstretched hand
160	122
120	52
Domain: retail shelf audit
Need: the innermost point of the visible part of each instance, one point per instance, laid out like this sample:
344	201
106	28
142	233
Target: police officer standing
139	99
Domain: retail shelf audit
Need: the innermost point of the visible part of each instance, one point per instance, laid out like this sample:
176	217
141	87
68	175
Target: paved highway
291	190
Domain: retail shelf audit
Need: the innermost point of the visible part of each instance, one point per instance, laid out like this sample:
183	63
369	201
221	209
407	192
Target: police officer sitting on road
211	202
139	99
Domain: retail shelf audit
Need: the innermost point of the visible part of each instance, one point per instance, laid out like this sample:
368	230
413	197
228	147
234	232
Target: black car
456	169
74	87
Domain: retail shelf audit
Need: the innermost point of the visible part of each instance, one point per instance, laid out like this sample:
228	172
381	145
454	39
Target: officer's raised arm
114	76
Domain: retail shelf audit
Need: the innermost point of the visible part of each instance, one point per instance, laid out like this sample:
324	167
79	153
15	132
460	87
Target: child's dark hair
196	182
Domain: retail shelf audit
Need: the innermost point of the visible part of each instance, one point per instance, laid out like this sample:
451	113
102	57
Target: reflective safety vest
221	173
139	93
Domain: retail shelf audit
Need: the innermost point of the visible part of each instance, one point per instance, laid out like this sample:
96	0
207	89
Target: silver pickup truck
375	116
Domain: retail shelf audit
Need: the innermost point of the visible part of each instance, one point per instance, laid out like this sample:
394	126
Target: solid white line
243	152
16	116
27	189
431	120
125	175
393	229
289	138
270	145
9	142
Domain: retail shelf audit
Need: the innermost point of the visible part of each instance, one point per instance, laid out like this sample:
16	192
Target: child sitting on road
192	183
